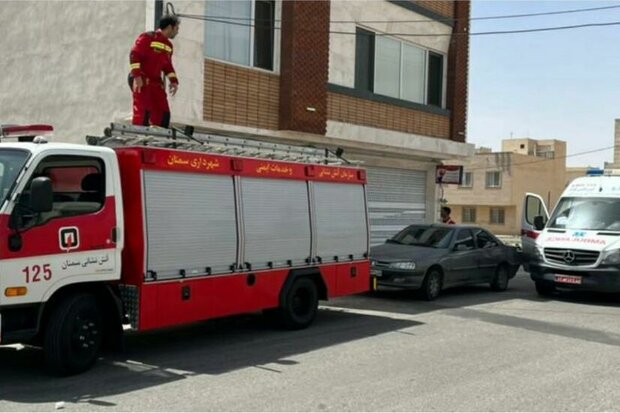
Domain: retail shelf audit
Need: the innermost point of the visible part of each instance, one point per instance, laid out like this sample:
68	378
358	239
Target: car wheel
544	288
431	287
500	279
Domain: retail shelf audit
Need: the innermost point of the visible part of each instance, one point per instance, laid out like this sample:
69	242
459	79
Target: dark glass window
435	79
364	59
263	34
464	240
485	240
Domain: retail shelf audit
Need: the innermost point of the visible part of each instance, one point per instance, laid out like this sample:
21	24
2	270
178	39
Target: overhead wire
498	32
447	19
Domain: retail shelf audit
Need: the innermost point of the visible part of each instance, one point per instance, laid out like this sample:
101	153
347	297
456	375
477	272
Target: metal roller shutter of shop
396	198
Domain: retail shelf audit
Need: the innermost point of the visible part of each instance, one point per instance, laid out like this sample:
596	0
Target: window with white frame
497	216
241	32
494	179
401	70
468	180
469	215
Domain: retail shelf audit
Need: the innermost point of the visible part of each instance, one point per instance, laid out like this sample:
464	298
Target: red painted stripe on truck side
162	304
196	162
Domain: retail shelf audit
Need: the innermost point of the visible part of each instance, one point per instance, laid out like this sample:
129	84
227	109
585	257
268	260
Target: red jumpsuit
149	57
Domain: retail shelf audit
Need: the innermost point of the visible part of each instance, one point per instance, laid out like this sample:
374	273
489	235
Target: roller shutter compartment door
396	198
190	223
276	220
341	223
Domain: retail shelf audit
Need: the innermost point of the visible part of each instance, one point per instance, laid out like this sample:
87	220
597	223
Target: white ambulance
578	245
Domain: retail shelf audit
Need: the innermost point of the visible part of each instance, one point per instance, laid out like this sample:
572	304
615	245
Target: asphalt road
471	350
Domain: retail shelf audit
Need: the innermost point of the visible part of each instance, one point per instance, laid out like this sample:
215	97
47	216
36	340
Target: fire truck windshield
11	163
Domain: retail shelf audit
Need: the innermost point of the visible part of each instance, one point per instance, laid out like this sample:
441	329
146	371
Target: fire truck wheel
300	304
73	335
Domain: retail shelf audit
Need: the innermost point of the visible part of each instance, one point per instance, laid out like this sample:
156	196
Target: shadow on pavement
520	287
211	348
409	301
461	302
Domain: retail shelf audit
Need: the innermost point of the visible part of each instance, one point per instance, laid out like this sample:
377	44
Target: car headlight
373	263
611	257
405	265
538	254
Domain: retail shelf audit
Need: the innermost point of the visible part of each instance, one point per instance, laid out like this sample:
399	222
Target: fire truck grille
575	258
131	304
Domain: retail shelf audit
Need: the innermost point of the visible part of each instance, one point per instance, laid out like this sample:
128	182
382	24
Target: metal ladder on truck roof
120	135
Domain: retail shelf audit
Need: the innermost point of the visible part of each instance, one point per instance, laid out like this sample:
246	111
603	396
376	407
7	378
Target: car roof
451	226
454	226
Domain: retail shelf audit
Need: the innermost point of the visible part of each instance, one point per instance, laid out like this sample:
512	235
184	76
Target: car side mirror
41	194
539	222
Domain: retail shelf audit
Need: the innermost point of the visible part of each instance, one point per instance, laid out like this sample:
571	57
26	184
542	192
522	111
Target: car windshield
11	163
596	214
425	236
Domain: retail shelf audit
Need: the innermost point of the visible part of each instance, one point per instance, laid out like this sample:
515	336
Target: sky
549	85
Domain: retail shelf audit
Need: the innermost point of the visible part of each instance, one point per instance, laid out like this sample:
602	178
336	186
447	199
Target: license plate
376	273
567	279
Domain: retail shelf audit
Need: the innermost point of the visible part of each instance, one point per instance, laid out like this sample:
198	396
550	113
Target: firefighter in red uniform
150	57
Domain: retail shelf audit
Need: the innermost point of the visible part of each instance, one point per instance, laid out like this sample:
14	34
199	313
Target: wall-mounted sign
449	174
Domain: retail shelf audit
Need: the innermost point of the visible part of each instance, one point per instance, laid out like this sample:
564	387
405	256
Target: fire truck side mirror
41	195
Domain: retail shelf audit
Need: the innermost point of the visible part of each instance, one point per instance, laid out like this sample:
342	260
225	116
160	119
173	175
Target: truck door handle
114	234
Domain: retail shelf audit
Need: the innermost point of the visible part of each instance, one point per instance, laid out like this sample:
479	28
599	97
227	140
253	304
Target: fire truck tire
300	304
73	335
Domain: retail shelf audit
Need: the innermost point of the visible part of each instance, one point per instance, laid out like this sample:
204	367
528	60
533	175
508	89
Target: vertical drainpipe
159	11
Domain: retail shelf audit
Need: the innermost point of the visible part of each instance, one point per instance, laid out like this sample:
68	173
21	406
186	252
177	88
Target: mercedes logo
569	257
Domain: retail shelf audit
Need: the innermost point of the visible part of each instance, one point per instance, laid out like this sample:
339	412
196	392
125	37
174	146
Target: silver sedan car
433	257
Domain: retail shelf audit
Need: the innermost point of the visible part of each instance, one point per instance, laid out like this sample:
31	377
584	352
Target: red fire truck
147	228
